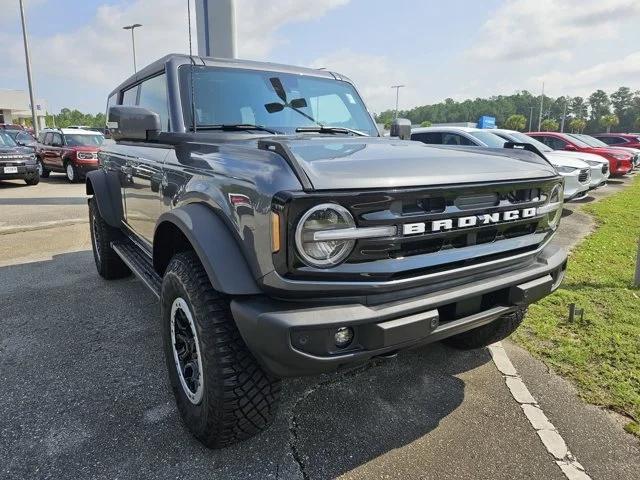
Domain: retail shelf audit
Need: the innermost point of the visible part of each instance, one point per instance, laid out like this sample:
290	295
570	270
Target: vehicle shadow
85	390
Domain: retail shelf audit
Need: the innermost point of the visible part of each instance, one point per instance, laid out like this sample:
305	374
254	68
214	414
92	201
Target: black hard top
174	60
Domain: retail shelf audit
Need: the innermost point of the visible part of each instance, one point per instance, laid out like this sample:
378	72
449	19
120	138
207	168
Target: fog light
343	337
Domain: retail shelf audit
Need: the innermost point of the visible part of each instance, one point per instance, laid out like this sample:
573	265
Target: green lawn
600	354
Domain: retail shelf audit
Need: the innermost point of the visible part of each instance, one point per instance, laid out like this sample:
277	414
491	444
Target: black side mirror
132	123
401	128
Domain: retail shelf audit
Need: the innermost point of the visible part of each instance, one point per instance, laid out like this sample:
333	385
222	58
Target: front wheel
110	266
42	170
71	172
32	180
490	333
222	393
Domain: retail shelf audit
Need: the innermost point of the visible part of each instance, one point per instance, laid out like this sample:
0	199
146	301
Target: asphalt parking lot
84	391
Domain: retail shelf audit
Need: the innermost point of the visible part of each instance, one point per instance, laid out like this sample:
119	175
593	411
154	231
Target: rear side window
455	139
153	96
612	140
433	138
47	138
130	96
553	142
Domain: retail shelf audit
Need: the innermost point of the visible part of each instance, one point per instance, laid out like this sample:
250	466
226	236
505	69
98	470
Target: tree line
618	111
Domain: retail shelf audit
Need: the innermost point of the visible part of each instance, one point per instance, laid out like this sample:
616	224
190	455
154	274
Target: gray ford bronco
283	236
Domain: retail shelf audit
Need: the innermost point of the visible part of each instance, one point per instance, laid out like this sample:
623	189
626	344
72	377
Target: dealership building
15	107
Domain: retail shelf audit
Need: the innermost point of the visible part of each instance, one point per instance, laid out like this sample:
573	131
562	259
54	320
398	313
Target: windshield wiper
329	129
236	126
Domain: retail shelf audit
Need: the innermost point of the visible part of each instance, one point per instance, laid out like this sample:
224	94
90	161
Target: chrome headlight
317	222
553	206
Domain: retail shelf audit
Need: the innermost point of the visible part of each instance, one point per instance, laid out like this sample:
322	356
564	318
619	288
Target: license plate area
10	169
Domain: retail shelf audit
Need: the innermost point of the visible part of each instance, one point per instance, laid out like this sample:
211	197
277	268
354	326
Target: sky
455	49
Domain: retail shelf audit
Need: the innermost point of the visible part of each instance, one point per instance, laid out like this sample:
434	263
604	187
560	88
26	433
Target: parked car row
584	161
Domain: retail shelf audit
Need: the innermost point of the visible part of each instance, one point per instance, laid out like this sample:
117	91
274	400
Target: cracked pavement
84	392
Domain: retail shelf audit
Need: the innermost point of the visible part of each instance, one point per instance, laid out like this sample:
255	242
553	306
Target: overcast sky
458	48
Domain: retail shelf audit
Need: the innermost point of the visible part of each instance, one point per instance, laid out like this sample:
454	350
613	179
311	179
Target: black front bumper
24	171
295	338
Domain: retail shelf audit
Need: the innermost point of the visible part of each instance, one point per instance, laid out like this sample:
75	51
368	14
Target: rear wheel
221	391
489	333
108	263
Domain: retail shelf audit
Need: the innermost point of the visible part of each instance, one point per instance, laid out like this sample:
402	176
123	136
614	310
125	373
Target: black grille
584	176
605	169
425	205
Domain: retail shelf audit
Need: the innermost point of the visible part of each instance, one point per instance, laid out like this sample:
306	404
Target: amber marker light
275	232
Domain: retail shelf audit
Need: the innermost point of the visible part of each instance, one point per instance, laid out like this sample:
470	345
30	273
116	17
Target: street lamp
397	87
34	120
133	42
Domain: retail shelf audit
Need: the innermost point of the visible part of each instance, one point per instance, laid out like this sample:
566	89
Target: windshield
277	101
77	140
574	138
489	139
6	140
522	138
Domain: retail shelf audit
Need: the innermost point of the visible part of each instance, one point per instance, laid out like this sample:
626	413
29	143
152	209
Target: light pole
133	42
530	117
541	106
397	87
28	61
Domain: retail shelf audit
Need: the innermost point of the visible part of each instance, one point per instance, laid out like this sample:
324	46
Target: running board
139	263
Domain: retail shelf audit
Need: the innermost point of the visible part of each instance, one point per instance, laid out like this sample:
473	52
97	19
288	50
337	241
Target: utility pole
29	79
216	25
541	105
564	114
530	117
397	87
133	42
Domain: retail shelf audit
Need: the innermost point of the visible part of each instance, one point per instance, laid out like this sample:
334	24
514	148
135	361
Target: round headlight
323	253
555	197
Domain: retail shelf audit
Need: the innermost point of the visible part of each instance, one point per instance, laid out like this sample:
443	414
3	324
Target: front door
142	176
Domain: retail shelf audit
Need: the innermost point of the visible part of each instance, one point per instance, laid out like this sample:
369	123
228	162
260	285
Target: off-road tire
239	399
110	266
45	172
32	180
489	333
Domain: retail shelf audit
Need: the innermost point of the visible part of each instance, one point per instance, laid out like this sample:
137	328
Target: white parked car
599	165
576	173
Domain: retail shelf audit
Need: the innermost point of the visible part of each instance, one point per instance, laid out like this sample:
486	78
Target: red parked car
68	150
620	161
631	140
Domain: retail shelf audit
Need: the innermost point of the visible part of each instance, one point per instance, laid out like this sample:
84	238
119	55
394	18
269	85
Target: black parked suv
283	236
16	161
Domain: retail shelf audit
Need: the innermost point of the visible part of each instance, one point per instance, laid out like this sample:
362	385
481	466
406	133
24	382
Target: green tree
425	123
609	121
621	100
600	104
577	125
516	122
549	125
578	107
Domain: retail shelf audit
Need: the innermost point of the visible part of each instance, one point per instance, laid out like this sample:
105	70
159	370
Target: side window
612	140
454	139
47	138
557	144
111	101
433	138
153	96
56	139
130	96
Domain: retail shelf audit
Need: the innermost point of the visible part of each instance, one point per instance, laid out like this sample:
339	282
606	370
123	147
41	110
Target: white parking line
549	435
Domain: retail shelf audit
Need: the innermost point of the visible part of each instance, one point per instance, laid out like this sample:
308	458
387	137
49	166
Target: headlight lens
554	206
566	169
620	156
329	253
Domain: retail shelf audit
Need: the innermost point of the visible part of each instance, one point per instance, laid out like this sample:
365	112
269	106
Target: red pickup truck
71	151
620	161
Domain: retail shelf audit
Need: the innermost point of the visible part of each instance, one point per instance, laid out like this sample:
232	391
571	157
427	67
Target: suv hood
333	162
10	153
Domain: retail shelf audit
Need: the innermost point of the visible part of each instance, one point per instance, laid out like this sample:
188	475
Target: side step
139	263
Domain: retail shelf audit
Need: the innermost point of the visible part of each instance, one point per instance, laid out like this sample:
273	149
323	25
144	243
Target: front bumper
598	176
85	166
25	170
295	338
573	188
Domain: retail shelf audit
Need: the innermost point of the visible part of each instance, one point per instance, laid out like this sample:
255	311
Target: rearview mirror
132	123
401	128
570	147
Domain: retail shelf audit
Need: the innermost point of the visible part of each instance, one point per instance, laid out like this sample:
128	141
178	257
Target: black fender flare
215	245
106	190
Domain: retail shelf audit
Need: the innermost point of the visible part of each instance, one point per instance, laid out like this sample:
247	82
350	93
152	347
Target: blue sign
486	121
